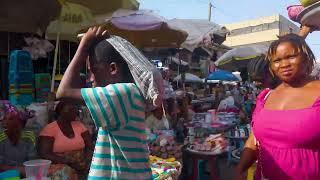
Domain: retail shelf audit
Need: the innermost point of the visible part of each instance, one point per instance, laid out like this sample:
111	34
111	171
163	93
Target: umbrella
222	76
144	28
239	57
73	18
99	7
27	16
191	78
200	32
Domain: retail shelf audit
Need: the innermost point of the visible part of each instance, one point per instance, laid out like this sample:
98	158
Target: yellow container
251	172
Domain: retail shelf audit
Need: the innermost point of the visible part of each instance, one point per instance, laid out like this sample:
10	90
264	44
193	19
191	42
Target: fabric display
214	143
21	78
163	169
165	146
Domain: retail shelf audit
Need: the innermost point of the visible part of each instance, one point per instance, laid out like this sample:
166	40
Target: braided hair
299	43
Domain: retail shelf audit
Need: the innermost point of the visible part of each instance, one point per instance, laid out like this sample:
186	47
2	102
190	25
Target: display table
195	156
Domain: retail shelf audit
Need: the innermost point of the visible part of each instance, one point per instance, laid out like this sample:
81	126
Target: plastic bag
147	77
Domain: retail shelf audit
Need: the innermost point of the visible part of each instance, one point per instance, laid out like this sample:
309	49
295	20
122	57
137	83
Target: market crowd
123	106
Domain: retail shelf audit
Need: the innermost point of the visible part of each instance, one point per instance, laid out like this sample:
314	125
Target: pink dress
289	141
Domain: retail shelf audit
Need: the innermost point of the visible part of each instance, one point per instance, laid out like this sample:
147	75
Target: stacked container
42	86
21	78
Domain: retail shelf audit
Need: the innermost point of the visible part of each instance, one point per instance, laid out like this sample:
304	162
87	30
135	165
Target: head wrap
7	109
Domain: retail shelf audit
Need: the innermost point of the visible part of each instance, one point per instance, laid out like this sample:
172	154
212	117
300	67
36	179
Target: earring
271	72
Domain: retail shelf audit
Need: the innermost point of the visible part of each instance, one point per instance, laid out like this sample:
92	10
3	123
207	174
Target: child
115	103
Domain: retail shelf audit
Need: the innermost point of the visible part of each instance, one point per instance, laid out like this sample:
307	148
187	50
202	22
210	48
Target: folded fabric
147	77
294	11
10	175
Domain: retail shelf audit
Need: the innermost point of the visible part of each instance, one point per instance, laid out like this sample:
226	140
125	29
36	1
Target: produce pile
165	168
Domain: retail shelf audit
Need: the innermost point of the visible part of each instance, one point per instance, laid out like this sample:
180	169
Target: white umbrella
239	57
189	78
200	32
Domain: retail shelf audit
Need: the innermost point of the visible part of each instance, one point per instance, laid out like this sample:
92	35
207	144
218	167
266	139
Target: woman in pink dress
286	121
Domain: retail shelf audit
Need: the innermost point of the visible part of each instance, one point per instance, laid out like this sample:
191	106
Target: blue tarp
222	76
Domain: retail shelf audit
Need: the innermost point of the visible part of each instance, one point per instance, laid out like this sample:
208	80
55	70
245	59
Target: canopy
144	28
27	16
239	57
200	32
191	78
222	76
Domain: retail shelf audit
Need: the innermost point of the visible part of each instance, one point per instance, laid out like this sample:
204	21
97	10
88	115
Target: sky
225	12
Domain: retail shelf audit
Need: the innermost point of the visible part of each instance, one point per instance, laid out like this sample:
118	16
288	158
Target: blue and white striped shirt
121	150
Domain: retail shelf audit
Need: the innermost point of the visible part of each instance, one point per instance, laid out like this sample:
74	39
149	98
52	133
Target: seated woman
16	144
156	120
66	142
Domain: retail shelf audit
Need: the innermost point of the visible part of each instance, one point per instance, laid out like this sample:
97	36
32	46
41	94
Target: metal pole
69	53
55	62
8	53
210	7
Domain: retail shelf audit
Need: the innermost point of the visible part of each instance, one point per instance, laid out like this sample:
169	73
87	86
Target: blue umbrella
222	76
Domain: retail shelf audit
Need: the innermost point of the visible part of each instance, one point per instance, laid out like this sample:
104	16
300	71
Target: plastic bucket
37	169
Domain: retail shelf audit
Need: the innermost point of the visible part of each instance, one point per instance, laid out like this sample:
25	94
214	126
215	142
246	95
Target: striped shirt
121	150
14	155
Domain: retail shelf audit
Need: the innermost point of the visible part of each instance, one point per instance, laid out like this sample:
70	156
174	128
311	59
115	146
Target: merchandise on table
165	168
230	117
240	131
215	144
165	146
